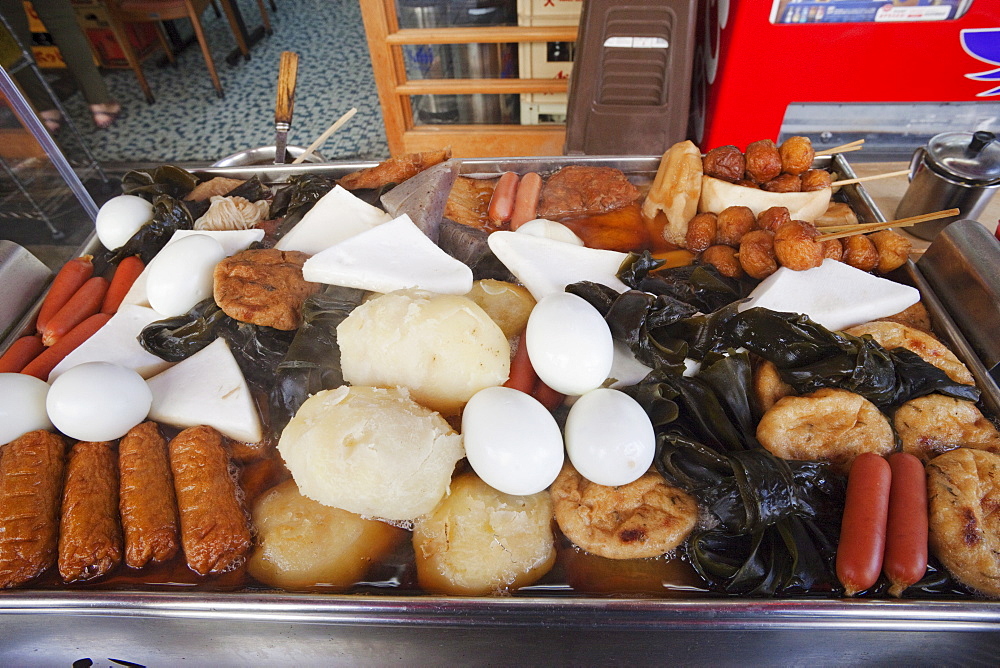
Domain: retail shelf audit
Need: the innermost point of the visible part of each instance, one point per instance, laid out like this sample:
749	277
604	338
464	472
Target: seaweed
312	362
163	180
257	349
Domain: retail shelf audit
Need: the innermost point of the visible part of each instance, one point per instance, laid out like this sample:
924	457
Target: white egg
550	229
121	217
609	438
22	408
180	275
511	441
98	401
569	344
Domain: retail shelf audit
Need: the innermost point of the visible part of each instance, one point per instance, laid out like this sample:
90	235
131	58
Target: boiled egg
511	441
98	401
22	408
609	438
181	275
120	218
569	344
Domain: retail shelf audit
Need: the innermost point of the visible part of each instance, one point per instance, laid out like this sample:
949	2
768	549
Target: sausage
147	502
501	206
526	200
31	475
85	303
70	278
20	354
215	531
90	535
862	531
522	375
41	366
126	273
906	534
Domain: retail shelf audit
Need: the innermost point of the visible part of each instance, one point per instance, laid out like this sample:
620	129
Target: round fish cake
963	492
263	286
644	518
934	423
768	387
891	335
828	424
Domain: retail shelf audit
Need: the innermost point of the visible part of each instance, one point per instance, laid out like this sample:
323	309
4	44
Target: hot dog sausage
526	201
862	532
906	535
90	535
501	206
31	475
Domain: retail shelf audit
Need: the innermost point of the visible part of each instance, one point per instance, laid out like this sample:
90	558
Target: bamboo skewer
875	227
855	145
873	177
339	123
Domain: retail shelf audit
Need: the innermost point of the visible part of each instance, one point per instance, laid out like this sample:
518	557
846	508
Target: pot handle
918	157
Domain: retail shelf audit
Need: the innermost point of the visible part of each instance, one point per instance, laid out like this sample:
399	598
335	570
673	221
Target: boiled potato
371	451
507	304
442	348
302	544
480	541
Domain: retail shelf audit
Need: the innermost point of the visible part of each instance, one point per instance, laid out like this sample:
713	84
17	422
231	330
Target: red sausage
20	353
862	532
70	278
547	396
526	202
83	304
906	535
502	203
522	374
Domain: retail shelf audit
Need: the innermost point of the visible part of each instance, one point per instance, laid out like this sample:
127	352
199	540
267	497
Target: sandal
105	114
52	120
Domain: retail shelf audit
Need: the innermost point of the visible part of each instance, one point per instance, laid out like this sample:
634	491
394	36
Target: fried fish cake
147	500
90	534
768	387
644	518
891	335
933	424
963	494
264	287
829	424
915	316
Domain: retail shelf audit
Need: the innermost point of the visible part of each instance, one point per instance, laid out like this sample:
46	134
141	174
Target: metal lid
973	157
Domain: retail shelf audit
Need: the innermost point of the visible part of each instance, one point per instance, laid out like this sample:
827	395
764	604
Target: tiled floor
189	123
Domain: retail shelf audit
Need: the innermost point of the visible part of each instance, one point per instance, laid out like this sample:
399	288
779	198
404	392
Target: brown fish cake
891	335
264	287
90	535
147	500
829	424
915	316
963	494
644	518
933	424
768	387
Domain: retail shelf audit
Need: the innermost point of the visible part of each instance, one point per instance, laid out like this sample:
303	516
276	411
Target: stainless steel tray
58	627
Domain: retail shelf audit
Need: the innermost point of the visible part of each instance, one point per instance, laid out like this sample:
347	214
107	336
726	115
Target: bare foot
105	114
52	120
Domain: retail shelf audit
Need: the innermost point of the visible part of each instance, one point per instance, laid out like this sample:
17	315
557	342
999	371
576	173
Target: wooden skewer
339	123
873	177
843	148
874	227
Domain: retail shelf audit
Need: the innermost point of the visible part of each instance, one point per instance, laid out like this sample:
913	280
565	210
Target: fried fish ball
701	232
768	387
479	541
90	535
724	259
148	502
642	519
829	424
772	218
934	423
733	222
891	335
783	183
763	161
815	179
860	252
833	249
796	246
963	493
797	155
31	475
893	250
724	162
757	254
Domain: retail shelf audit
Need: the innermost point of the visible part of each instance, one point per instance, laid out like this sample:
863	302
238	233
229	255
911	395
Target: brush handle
287	73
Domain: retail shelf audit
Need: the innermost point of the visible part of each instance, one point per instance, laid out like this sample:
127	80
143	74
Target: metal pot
955	170
264	155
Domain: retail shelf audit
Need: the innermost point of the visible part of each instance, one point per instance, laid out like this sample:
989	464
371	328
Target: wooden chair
155	11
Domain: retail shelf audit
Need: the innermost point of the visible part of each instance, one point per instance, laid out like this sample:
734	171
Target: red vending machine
901	62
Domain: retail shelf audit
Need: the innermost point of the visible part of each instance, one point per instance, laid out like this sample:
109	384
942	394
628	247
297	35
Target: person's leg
13	11
60	20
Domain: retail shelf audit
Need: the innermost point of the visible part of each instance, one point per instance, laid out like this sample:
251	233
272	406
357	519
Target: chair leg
200	34
241	42
168	49
117	29
264	18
